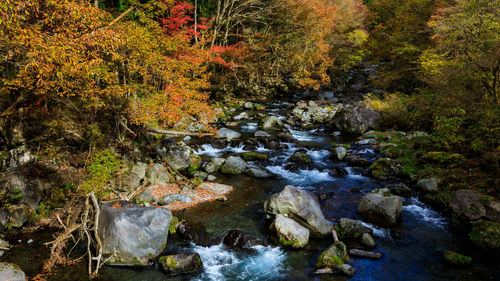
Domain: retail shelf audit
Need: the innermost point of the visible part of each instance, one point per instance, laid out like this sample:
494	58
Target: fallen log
364	254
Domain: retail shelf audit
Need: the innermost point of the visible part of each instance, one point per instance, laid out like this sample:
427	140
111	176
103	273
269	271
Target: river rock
262	134
237	239
355	119
271	123
257	172
11	272
335	255
344	269
216	188
367	241
339	153
468	205
364	254
181	263
300	157
132	235
380	207
290	233
357	161
233	165
241	116
214	165
337	172
428	185
349	229
302	206
171	198
252	156
144	197
385	168
399	189
228	134
181	157
158	174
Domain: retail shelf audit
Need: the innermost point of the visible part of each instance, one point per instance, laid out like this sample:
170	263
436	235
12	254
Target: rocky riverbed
277	181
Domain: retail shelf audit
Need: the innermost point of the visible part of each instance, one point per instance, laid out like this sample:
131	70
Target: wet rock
302	206
271	123
171	198
214	165
11	272
228	134
158	174
241	116
366	142
380	207
144	197
257	172
181	157
199	174
357	161
337	172
364	254
486	234
385	168
355	119
252	156
468	205
132	235
344	269
233	165
237	239
367	241
335	255
352	229
300	157
290	233
262	134
339	153
428	185
399	189
181	263
456	259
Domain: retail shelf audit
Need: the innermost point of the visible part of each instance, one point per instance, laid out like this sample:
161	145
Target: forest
267	139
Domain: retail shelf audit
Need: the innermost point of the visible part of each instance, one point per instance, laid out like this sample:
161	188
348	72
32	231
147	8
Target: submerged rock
380	207
181	263
290	233
237	239
302	206
233	165
335	255
132	235
355	119
11	272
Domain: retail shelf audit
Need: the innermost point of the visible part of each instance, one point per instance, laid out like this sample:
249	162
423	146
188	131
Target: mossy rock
456	259
295	244
486	234
173	224
300	157
385	168
252	156
334	255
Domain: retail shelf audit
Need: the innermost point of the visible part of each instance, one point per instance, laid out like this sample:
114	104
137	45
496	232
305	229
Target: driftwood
364	254
178	133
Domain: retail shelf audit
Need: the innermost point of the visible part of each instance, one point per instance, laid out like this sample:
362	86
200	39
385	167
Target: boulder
237	239
468	205
357	161
428	185
13	216
17	185
351	229
144	197
11	272
158	174
399	189
228	134
181	263
214	165
300	157
367	240
17	157
335	255
337	172
262	134
339	153
385	168
290	233
241	116
233	165
271	123
181	157
132	235
380	207
199	174
355	119
257	172
171	198
302	206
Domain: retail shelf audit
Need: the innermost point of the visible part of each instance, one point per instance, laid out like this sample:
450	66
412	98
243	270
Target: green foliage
486	234
456	258
289	243
101	167
251	156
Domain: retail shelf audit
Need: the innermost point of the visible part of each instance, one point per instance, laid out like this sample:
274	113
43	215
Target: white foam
423	213
260	148
221	263
250	127
301	176
208	149
352	175
318	155
377	231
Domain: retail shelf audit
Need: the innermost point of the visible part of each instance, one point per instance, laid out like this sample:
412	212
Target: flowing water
411	250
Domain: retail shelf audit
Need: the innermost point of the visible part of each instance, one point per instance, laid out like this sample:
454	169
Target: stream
410	251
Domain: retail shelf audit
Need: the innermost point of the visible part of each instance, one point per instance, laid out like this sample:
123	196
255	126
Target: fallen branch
178	133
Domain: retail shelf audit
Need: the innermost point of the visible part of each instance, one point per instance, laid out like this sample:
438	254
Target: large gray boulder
290	233
428	185
182	157
468	205
233	165
132	235
228	134
11	272
131	178
158	174
301	206
181	263
272	123
355	119
214	165
380	207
